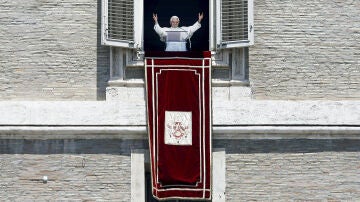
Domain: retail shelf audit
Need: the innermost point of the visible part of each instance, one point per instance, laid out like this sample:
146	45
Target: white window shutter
235	23
121	23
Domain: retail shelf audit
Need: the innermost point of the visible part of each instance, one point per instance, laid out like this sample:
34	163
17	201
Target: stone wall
305	50
50	50
292	170
323	176
77	169
260	170
81	177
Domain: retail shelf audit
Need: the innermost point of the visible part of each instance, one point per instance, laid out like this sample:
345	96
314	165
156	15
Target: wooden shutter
122	23
235	23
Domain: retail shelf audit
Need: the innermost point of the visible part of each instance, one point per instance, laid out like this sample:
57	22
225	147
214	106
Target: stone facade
50	50
315	176
281	150
99	169
71	177
308	150
305	50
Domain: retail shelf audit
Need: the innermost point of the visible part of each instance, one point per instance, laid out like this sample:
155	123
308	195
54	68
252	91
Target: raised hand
155	18
201	16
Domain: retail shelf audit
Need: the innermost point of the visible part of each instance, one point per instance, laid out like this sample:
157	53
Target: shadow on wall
71	146
124	146
288	145
102	60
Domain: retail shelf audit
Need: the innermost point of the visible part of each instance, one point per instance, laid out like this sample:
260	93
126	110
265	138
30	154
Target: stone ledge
140	132
225	113
128	91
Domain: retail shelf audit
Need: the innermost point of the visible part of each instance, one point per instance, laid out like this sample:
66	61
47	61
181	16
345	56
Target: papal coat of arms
178	128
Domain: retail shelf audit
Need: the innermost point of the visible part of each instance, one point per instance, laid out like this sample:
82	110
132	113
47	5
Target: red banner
179	126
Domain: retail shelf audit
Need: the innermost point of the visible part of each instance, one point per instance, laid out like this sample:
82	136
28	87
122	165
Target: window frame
218	28
215	27
137	42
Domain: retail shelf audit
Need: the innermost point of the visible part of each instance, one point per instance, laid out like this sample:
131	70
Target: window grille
234	23
120	23
234	20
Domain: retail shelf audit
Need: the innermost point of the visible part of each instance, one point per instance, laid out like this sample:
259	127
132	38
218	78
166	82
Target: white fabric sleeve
193	28
160	31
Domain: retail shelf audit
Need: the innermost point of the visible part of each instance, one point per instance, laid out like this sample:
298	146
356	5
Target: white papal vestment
185	33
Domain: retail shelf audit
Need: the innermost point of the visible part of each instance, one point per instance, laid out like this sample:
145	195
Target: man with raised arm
175	36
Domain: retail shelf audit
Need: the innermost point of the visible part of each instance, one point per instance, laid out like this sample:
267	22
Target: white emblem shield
178	128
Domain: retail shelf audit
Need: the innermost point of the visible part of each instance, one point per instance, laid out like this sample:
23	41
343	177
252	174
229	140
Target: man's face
174	23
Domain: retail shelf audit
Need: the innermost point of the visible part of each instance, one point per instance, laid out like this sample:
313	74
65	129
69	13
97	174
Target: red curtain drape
179	125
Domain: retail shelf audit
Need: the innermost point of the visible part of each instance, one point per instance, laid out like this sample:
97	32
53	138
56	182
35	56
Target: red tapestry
179	126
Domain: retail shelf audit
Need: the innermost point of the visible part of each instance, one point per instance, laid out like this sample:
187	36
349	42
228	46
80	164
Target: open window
227	30
187	11
230	22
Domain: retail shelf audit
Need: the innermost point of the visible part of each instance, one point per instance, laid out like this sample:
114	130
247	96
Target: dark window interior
187	11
